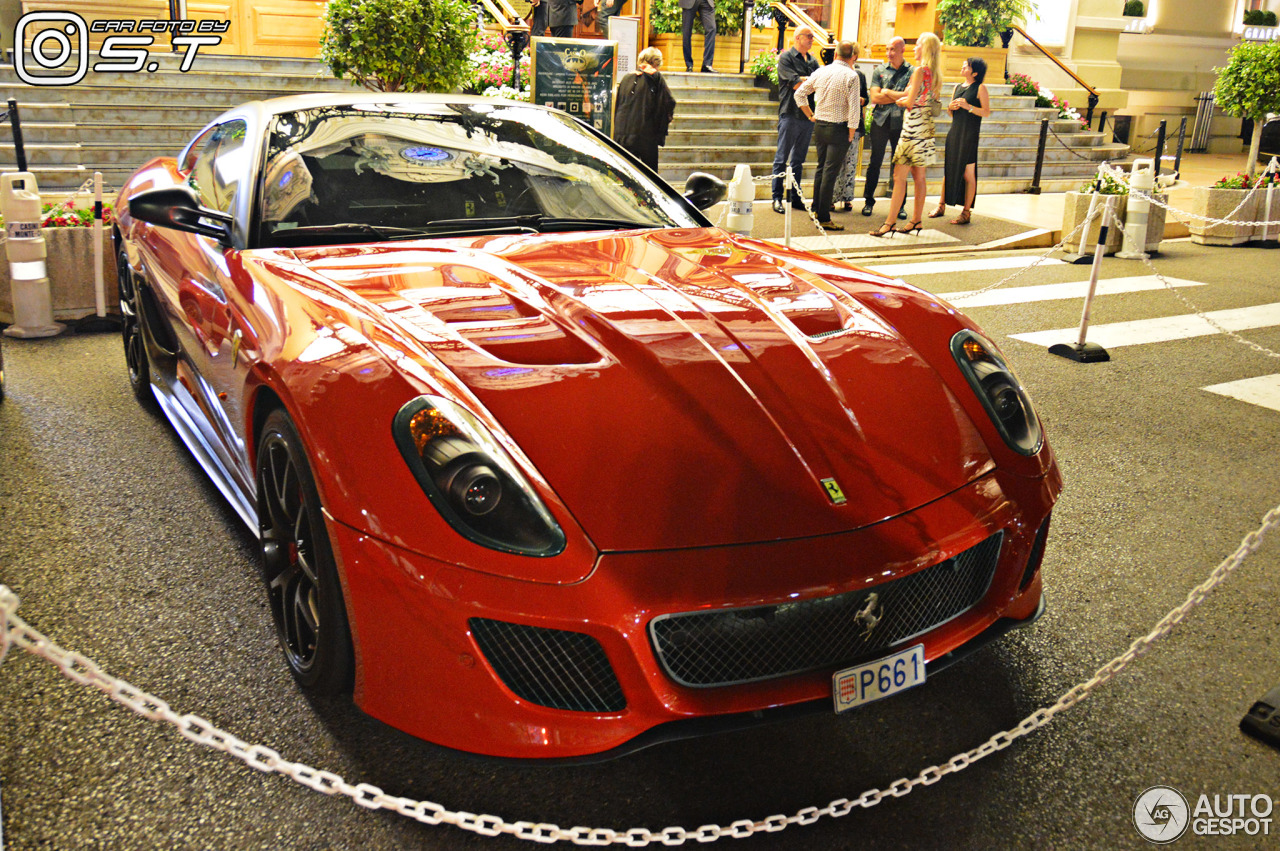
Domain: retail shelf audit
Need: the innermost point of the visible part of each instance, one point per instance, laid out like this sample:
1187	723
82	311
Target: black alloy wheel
135	346
298	565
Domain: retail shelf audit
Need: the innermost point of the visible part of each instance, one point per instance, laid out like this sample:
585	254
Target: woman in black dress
969	105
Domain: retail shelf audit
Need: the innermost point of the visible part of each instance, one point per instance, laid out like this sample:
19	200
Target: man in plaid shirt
838	99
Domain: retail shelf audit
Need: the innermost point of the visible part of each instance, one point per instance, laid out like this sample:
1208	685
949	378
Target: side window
218	165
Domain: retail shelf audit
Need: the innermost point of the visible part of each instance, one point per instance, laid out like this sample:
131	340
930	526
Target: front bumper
420	668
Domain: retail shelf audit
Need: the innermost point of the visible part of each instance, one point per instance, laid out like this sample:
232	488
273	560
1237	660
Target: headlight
472	481
999	390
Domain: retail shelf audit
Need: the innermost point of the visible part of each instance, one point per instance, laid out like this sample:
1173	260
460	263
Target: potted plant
978	23
765	68
1221	200
975	27
401	45
68	233
1249	87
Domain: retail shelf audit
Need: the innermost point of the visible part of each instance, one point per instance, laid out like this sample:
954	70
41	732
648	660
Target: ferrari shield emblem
833	490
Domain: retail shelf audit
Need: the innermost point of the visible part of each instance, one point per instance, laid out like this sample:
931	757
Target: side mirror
702	190
178	207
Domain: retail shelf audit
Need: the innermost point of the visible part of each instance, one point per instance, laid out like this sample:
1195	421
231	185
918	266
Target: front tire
135	345
298	564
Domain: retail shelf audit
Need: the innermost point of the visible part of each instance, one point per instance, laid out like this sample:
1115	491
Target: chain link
15	631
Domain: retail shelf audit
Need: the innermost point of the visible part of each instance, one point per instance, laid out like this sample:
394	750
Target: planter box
69	266
763	82
953	57
1217	203
1074	211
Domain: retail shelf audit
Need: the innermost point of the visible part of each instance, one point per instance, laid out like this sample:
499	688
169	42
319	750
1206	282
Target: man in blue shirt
888	83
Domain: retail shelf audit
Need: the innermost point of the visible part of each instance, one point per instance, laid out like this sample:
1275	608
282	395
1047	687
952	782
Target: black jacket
792	65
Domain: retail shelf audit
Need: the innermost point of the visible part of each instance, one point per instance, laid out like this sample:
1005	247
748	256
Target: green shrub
1253	17
764	65
1269	18
978	23
400	45
1134	9
664	17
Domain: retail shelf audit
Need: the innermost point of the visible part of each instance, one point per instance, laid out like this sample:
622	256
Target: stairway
114	123
722	120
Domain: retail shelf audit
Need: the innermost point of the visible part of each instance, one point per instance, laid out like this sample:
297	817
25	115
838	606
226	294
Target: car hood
681	387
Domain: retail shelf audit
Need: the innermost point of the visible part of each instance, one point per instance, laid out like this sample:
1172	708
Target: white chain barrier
14	630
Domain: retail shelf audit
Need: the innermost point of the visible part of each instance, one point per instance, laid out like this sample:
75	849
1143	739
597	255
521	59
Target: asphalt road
120	549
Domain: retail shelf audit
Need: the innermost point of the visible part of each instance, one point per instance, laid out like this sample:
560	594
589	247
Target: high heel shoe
885	229
962	219
912	227
939	211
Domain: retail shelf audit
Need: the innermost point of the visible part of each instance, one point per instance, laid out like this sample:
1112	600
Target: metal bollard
1142	182
1160	137
741	195
32	300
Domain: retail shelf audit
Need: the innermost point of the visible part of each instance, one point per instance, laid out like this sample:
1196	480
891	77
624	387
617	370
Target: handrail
1092	92
787	14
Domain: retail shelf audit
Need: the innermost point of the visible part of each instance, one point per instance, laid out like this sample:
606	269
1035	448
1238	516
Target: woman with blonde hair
916	151
643	109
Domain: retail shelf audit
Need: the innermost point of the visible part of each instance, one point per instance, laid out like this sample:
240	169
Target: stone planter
69	266
1217	203
1074	211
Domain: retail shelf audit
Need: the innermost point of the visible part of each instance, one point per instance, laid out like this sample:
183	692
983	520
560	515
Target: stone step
211	62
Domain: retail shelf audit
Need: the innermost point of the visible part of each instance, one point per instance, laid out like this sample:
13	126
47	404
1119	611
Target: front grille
550	667
719	648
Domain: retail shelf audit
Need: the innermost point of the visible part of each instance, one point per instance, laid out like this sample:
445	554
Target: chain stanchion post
19	150
786	207
1141	184
1102	125
1182	140
1164	128
1034	189
1082	351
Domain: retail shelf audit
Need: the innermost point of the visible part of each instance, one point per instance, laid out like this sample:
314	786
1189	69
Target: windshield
372	171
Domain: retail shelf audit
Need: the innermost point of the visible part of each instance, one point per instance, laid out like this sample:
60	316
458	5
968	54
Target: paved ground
121	549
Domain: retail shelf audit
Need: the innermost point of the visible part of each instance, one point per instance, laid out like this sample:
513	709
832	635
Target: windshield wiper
539	223
342	231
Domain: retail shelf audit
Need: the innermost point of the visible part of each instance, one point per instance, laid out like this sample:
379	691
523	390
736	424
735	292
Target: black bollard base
1086	353
1263	720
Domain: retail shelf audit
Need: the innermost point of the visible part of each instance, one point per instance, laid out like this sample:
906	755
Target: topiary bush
1134	9
1249	87
400	45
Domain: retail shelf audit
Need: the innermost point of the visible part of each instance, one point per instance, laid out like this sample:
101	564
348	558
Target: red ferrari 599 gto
545	465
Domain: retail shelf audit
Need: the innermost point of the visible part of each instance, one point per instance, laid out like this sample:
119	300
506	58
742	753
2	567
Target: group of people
904	99
559	17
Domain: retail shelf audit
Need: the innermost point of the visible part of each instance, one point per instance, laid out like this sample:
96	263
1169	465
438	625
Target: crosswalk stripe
971	264
1263	390
1161	330
1052	292
849	241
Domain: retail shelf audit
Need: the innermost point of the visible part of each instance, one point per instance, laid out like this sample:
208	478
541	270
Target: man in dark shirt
794	129
888	83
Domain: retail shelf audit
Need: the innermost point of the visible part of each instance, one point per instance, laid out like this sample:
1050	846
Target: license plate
881	678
